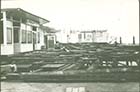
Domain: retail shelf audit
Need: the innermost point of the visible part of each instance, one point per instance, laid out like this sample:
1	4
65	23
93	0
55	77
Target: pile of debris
80	58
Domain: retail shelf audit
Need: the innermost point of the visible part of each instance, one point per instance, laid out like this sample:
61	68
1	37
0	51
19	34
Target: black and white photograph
69	46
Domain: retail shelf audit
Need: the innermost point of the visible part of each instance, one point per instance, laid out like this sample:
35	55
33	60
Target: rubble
81	58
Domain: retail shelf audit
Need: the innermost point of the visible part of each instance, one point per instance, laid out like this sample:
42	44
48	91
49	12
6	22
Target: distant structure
49	37
67	36
73	36
21	31
93	36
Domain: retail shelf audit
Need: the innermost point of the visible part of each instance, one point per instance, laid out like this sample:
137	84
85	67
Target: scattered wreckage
79	62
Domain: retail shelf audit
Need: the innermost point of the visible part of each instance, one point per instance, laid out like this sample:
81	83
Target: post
120	40
133	40
67	38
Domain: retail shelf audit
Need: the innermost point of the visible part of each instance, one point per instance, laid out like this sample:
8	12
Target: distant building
49	37
93	36
20	31
82	36
62	36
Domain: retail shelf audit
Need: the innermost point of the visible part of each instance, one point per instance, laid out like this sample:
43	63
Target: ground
61	87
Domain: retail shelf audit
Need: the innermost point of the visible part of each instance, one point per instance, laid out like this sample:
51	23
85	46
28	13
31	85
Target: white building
83	36
49	37
98	36
67	36
20	31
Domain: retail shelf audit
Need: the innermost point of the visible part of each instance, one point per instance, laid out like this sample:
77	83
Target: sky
119	17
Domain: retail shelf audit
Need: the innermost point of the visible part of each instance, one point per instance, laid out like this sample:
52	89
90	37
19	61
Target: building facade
49	37
98	36
67	36
20	31
73	36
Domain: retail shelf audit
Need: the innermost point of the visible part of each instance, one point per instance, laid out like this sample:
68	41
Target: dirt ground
61	87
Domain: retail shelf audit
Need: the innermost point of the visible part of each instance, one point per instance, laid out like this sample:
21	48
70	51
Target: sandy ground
61	87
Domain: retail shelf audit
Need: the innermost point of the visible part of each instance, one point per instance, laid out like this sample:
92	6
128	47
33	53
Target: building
74	36
20	31
67	36
62	36
98	36
49	37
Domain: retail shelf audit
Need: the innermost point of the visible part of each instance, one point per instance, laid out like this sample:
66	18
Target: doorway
34	41
49	41
16	37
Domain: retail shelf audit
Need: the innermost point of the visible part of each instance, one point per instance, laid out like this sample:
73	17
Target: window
89	35
84	35
80	36
38	37
29	36
34	28
24	36
16	35
16	24
1	28
9	35
34	38
1	15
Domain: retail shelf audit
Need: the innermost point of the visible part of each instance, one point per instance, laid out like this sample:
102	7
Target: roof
18	12
49	30
93	31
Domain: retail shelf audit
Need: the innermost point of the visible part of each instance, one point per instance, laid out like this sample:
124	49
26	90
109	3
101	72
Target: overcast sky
119	17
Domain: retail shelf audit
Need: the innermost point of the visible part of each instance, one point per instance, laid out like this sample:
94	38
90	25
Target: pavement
70	87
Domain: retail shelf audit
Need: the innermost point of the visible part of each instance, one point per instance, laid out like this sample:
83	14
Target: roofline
6	9
51	30
93	31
